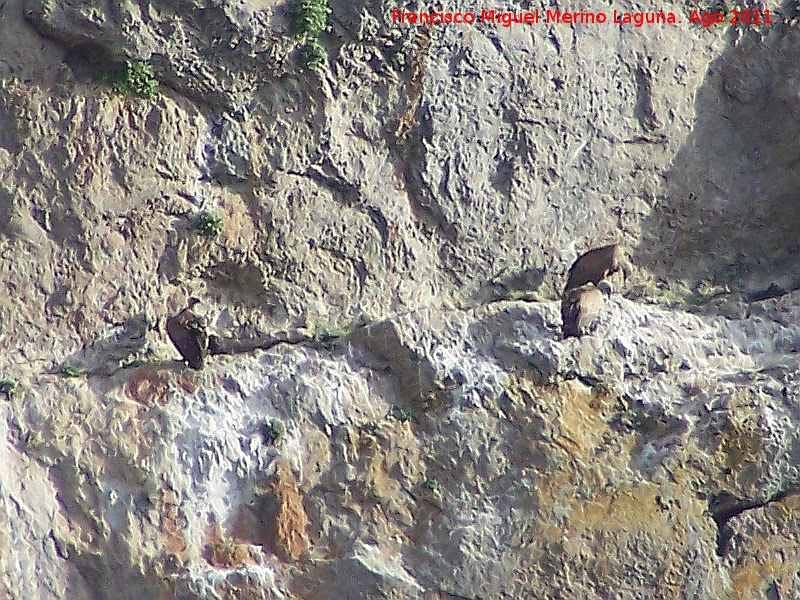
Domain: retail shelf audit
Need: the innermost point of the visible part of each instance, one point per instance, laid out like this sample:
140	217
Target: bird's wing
570	312
188	338
589	308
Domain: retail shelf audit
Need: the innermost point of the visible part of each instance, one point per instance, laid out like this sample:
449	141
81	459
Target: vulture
596	265
188	334
581	305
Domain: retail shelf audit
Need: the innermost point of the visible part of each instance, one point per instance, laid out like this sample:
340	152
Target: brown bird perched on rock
596	265
581	305
188	334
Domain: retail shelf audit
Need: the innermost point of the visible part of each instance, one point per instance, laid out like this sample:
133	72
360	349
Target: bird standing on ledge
188	334
598	264
580	307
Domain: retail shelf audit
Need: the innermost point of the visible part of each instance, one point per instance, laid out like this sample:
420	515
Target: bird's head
192	302
604	285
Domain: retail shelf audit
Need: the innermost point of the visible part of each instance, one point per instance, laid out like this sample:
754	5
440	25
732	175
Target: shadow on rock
126	347
729	208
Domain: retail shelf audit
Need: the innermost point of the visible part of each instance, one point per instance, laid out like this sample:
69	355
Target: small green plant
208	223
519	295
706	291
70	371
9	388
400	413
326	333
273	430
314	55
432	484
137	79
311	19
397	59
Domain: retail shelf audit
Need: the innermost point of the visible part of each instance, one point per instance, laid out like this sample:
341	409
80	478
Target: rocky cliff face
380	239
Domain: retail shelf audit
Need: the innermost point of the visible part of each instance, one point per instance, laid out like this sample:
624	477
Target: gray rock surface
393	412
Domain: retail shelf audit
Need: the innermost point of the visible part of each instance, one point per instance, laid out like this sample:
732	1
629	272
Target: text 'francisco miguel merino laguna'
506	19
